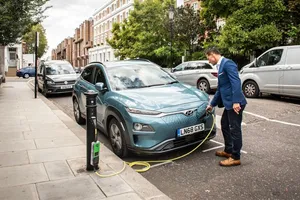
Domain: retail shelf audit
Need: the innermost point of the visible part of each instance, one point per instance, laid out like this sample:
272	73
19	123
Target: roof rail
96	62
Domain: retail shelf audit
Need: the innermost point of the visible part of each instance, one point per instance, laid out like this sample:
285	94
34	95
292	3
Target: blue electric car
143	108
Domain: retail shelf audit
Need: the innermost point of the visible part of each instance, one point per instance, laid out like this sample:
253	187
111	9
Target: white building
13	56
111	12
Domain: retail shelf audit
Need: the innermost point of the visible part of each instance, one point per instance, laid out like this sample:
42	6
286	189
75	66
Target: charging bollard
91	128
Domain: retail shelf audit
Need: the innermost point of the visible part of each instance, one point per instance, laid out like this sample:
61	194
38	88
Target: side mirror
173	70
100	86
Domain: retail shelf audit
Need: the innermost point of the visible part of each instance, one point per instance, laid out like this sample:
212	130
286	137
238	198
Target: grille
63	82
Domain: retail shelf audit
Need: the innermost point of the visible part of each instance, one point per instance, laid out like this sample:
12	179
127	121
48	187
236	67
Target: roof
125	62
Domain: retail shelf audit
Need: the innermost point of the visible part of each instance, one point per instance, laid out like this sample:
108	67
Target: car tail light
215	74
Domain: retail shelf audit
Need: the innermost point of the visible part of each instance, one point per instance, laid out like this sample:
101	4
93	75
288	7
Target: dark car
26	72
55	77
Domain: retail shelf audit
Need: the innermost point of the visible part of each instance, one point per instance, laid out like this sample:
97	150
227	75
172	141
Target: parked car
56	76
199	73
26	72
276	71
142	108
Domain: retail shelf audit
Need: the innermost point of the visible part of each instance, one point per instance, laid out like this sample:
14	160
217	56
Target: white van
276	71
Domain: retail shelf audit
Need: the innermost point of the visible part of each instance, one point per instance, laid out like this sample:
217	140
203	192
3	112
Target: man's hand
209	108
236	108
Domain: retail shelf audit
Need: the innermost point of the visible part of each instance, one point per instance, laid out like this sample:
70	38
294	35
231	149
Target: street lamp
171	17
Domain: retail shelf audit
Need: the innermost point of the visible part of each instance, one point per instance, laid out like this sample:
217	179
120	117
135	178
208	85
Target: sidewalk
42	155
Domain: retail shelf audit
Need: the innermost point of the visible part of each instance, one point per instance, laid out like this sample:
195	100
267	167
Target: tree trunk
2	62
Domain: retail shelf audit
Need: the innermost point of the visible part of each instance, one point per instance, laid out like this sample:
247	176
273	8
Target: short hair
211	50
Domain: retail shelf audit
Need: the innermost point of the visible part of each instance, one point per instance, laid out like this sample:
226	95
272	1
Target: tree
16	18
252	27
188	28
29	38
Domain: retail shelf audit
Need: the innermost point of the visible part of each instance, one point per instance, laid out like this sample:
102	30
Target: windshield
59	69
138	76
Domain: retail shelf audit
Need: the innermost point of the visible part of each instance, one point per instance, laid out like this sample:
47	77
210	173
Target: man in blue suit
229	95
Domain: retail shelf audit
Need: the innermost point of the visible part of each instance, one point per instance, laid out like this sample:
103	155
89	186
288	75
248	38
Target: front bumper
59	89
164	138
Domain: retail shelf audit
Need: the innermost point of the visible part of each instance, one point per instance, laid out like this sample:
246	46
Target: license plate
190	130
66	87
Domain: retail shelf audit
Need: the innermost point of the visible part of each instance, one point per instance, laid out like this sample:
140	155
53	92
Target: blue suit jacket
229	86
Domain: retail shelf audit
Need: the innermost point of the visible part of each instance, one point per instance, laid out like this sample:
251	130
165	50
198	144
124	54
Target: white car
199	73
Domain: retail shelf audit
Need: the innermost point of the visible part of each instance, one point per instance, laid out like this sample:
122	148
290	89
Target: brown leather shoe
230	162
223	154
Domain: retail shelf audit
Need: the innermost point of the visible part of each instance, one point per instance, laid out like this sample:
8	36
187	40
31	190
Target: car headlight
142	127
50	82
142	112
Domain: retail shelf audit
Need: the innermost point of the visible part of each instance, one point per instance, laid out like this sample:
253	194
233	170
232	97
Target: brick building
111	12
75	49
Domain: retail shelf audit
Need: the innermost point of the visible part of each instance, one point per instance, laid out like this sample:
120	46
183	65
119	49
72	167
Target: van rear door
291	78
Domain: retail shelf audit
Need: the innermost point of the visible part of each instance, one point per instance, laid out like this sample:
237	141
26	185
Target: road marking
160	164
272	120
213	148
245	152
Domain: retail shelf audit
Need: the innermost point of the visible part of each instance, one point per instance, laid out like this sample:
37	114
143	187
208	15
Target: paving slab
11	136
19	145
78	188
55	154
24	192
111	186
58	142
128	196
14	128
13	158
47	134
58	170
21	175
49	127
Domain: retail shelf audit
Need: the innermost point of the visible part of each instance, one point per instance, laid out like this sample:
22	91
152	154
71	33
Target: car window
206	66
180	67
59	69
136	75
191	66
100	77
270	58
87	74
293	56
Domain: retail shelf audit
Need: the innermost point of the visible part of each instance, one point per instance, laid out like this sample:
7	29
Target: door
291	77
86	82
269	71
100	78
178	71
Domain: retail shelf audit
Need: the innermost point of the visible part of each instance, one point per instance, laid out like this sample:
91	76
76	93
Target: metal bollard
91	126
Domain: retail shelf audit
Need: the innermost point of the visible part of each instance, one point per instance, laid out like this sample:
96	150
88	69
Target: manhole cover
7	86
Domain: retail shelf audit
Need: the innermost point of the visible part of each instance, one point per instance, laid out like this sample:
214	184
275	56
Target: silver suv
198	73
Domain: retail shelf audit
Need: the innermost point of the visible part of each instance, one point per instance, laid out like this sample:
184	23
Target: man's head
213	55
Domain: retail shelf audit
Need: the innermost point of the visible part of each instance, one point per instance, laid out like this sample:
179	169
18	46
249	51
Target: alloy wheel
115	137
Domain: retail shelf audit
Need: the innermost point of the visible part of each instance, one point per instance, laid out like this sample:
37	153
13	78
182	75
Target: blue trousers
231	125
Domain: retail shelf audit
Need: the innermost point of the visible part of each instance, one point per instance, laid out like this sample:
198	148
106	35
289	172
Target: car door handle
289	67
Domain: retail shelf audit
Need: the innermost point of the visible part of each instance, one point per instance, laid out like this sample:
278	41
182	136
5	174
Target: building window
121	18
195	6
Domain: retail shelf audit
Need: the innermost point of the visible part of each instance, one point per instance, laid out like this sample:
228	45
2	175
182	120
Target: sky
65	16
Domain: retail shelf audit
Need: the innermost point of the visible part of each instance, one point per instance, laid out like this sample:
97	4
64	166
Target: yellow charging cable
147	165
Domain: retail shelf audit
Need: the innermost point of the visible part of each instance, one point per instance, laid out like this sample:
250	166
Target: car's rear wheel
26	76
116	138
203	85
250	89
77	113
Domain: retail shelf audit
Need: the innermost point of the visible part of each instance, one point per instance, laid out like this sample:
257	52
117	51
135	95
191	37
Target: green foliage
17	17
29	38
147	32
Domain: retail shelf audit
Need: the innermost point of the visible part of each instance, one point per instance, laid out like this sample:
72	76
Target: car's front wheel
77	113
250	89
116	138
